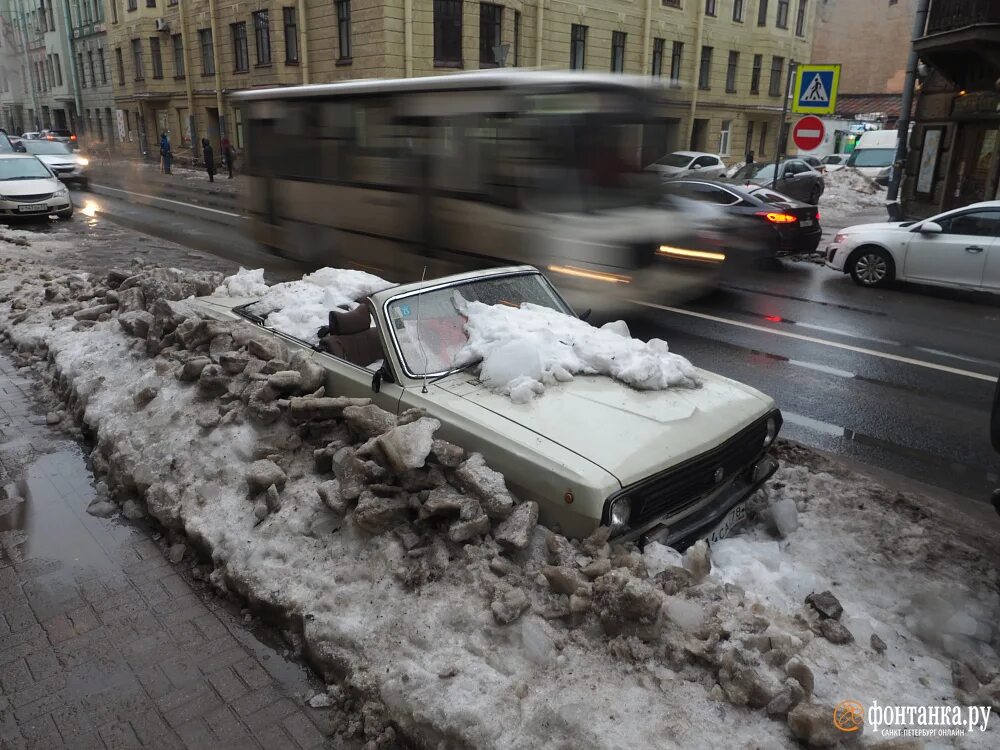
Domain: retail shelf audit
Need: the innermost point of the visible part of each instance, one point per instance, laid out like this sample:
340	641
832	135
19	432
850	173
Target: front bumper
52	205
834	256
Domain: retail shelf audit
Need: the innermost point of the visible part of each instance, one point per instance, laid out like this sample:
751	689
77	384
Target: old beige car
671	465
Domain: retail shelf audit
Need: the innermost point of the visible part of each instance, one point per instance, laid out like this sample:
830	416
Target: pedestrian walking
749	157
166	155
228	155
208	154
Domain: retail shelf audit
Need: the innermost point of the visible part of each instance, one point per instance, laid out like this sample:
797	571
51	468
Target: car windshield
872	157
430	331
756	172
23	169
832	160
47	147
770	196
675	160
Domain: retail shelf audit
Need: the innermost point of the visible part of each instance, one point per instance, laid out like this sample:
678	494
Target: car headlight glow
620	513
840	237
82	161
772	431
61	193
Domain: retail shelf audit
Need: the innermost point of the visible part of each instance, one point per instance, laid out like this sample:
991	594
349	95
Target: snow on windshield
525	349
299	308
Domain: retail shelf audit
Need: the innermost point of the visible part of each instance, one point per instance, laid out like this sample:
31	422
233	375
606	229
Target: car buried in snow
672	466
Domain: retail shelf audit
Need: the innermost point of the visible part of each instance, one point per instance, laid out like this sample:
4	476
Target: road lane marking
169	200
823	342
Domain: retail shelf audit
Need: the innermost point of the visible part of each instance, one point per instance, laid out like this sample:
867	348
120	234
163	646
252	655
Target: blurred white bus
450	173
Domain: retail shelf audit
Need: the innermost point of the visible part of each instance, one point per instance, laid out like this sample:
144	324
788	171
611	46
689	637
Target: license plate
28	208
806	222
733	519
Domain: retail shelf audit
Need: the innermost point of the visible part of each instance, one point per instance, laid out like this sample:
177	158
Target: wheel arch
869	245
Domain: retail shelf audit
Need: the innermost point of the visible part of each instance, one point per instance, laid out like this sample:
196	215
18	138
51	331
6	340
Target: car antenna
420	336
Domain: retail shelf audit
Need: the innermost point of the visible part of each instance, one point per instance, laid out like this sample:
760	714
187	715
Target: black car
795	178
782	224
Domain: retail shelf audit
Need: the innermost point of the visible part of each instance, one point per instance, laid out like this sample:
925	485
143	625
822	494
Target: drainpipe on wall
71	48
538	33
408	38
699	36
903	126
188	86
219	103
647	25
303	43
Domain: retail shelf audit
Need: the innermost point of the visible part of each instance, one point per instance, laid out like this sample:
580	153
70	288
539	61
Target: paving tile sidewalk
103	642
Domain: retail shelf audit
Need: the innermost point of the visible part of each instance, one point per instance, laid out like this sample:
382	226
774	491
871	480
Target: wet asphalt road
901	380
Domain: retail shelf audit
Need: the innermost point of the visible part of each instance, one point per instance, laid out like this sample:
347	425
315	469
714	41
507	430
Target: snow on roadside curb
473	642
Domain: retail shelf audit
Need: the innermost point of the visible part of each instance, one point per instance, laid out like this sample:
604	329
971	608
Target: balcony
963	41
949	15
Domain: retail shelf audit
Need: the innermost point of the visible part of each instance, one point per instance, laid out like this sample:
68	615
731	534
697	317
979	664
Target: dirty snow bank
524	349
413	579
850	192
299	308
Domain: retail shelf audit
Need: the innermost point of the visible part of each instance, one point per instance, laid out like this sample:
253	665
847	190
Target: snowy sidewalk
102	642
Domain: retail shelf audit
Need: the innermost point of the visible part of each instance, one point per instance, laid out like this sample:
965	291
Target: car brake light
817	216
777	218
72	137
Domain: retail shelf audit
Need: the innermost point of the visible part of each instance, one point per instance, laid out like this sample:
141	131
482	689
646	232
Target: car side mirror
930	227
696	166
995	421
382	374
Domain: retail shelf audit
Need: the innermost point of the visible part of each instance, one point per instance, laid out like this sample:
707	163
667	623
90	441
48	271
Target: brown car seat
350	336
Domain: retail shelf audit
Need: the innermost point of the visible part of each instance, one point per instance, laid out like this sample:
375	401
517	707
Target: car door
794	180
707	166
957	255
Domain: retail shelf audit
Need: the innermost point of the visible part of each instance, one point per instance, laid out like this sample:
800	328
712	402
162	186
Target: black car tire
66	214
871	267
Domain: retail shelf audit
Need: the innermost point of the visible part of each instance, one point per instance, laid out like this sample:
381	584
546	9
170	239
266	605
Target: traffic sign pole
783	128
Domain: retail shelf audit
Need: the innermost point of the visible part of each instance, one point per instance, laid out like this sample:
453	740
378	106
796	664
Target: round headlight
772	431
82	161
621	511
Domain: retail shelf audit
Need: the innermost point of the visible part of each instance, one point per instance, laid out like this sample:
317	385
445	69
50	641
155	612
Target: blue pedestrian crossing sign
816	89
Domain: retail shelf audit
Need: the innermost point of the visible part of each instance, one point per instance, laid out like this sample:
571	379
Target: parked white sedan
688	163
28	188
669	465
959	248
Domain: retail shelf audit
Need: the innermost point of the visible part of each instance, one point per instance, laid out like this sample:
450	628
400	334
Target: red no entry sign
808	133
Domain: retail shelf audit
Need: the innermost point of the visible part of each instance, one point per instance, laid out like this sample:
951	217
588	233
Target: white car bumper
835	256
34	205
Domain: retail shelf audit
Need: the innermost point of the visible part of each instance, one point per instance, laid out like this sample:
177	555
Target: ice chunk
244	283
785	516
658	557
538	647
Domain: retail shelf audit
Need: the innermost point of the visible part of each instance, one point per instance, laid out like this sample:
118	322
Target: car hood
631	434
668	170
879	226
30	187
57	160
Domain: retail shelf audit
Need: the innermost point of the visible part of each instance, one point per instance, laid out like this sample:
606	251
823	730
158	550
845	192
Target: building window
50	71
132	4
241	54
121	66
262	36
290	17
709	7
762	146
83	71
724	137
150	3
758	63
738	11
782	20
137	59
777	66
93	68
58	67
114	10
155	56
490	23
675	63
178	42
705	69
517	38
344	28
104	67
734	61
111	127
671	3
749	143
656	67
207	52
52	18
577	47
800	19
618	51
448	32
238	126
762	13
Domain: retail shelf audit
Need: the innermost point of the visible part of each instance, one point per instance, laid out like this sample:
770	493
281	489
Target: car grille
679	487
30	198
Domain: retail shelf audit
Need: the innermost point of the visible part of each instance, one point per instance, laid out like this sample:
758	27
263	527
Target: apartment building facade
173	62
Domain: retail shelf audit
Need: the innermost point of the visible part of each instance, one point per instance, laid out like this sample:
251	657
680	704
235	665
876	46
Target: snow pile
525	349
244	283
848	192
299	308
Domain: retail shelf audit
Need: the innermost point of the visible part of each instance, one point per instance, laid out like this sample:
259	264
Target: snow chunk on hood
299	308
524	349
244	283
